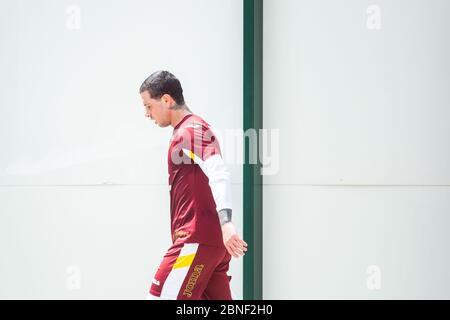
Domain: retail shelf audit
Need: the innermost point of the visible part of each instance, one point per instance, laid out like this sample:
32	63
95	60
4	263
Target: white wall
83	176
364	149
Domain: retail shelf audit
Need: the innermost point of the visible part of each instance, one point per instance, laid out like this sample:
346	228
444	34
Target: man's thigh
186	271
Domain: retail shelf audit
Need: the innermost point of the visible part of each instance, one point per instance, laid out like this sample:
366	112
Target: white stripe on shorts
175	279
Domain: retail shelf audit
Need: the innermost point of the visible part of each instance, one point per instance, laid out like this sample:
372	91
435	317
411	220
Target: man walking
204	237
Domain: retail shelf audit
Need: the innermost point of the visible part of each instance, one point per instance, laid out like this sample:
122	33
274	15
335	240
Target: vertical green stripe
253	10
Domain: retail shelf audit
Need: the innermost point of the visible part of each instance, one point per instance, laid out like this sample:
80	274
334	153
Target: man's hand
233	243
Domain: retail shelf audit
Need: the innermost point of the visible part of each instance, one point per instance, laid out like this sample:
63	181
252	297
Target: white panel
115	237
354	105
113	234
319	242
70	111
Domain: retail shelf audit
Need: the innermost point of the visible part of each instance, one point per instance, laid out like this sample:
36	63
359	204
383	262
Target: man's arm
211	162
219	181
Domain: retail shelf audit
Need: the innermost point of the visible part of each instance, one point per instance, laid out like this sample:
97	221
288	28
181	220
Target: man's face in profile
156	109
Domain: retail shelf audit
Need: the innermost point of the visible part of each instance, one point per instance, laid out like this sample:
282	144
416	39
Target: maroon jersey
199	183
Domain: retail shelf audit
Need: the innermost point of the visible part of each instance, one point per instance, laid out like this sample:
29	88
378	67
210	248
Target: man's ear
167	99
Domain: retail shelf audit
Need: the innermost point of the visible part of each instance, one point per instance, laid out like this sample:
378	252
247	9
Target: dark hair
161	83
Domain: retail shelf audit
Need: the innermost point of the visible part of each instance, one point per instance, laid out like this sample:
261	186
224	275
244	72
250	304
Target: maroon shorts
193	271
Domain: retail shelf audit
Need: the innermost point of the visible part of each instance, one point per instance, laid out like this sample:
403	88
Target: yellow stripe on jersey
184	261
191	155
